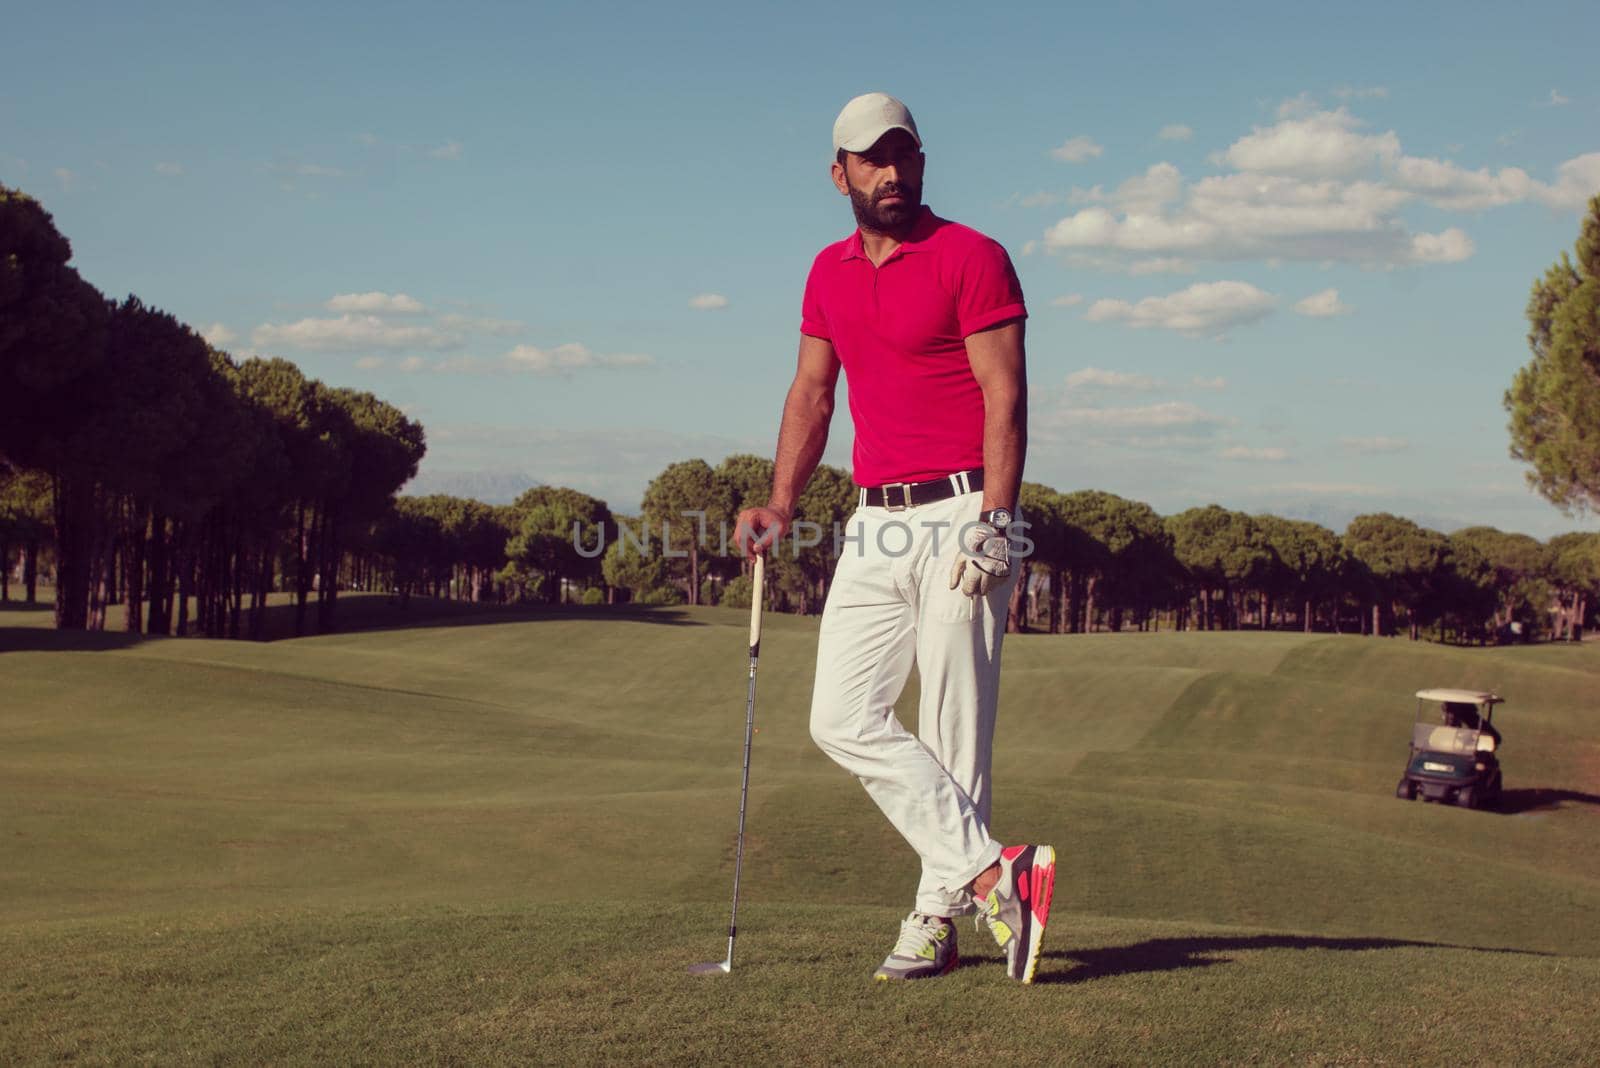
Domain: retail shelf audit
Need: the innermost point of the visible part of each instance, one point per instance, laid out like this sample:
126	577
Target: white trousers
891	608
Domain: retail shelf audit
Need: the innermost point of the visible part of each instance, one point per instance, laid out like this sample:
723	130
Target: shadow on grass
372	612
1542	799
47	640
1173	954
29	630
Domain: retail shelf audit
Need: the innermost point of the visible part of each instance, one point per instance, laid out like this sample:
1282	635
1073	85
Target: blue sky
1275	259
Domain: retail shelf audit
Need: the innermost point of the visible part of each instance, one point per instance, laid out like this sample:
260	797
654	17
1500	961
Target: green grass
501	836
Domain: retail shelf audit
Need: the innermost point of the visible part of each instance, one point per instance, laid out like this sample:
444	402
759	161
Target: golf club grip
757	593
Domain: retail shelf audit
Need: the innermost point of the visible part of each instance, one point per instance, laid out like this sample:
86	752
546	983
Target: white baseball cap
867	118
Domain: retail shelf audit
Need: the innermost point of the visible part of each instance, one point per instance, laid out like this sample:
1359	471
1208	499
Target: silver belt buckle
905	494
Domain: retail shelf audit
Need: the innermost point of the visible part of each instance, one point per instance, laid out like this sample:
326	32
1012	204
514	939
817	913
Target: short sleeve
813	319
988	290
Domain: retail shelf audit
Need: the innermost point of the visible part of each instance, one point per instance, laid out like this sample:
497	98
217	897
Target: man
925	317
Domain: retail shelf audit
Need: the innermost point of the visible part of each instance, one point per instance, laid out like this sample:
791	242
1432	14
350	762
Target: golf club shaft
756	596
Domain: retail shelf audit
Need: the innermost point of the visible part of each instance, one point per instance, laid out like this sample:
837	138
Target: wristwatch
999	518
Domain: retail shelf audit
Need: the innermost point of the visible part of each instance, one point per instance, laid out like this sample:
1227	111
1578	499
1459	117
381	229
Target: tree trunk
1069	602
185	563
302	580
73	506
1019	595
159	616
30	568
1308	615
1056	592
133	567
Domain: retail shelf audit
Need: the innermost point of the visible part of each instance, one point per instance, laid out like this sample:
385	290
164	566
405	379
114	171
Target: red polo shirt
900	331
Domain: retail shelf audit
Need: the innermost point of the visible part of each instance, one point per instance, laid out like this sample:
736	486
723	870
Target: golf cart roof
1471	697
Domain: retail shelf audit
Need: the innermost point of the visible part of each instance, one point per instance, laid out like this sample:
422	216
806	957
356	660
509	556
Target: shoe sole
946	970
1041	884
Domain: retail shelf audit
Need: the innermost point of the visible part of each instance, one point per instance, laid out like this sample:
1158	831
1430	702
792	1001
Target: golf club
723	967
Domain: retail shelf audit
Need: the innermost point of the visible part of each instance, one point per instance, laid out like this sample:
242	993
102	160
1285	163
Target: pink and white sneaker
1018	907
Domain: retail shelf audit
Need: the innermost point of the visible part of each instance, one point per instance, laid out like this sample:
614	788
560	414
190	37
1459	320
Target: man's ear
839	181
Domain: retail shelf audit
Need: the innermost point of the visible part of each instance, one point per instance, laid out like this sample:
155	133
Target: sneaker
927	948
1018	906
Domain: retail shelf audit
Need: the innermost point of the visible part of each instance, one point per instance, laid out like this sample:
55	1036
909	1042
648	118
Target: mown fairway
501	838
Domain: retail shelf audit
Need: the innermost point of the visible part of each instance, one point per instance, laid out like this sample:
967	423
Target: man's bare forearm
803	434
1005	447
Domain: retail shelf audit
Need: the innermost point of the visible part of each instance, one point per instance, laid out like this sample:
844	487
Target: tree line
143	468
166	473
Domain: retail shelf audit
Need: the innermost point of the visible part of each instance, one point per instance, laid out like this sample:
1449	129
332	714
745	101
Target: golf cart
1454	750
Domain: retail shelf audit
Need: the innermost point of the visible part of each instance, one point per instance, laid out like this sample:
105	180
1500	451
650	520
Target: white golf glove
984	560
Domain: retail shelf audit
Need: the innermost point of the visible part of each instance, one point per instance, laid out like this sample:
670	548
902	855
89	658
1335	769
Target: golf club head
713	967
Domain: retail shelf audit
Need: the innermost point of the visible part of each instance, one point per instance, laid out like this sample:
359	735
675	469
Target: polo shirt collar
926	224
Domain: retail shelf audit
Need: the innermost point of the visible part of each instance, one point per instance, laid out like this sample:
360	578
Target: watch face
999	518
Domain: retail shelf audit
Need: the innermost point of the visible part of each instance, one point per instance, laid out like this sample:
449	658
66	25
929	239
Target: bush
594	595
660	595
736	592
710	591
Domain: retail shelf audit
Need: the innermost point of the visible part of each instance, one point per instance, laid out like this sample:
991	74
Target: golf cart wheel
1406	791
1467	798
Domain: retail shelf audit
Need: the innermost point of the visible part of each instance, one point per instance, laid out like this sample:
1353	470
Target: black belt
898	496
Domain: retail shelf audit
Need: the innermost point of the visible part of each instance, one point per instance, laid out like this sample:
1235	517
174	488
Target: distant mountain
491	487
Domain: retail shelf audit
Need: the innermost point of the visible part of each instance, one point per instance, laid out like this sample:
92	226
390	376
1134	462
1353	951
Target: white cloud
1161	265
1303	104
1203	308
480	325
318	170
1252	216
1159	185
1557	99
1213	384
1096	378
413	363
1040	200
369	363
1077	149
1322	144
1322	305
1166	415
353	333
1376	444
376	304
218	335
67	178
171	170
708	301
1067	300
1176	132
1577	180
1271	454
1451	246
1313	186
567	358
448	150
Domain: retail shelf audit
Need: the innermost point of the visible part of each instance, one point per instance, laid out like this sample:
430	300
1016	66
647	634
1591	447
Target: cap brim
862	142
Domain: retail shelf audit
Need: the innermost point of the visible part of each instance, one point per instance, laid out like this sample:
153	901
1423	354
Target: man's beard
887	218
